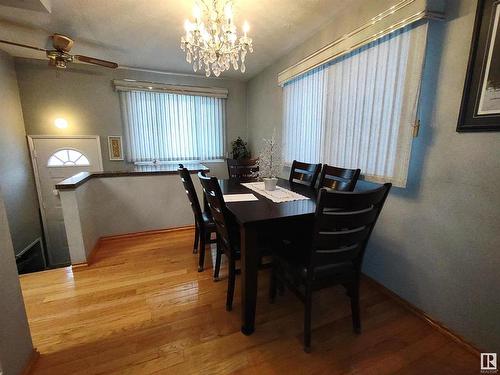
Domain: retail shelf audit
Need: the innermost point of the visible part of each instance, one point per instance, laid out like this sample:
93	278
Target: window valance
398	16
133	85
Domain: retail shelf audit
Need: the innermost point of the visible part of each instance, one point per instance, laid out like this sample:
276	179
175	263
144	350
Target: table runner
279	195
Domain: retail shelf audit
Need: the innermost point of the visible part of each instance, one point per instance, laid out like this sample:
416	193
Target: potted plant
270	163
239	149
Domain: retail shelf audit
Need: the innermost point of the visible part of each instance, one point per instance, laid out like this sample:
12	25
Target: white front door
55	159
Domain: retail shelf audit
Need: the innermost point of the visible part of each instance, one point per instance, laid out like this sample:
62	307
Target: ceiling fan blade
93	60
22	45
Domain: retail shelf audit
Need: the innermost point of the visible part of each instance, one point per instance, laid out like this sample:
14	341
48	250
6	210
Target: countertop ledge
139	170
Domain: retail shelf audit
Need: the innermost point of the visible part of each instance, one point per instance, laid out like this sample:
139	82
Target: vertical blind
169	127
359	111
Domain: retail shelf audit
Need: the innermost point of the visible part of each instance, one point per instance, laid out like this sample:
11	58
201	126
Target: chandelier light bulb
228	12
205	35
211	42
196	13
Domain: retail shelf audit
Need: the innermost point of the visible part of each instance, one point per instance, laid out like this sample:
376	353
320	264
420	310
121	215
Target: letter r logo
488	361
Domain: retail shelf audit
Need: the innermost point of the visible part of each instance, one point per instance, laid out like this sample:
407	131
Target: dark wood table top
265	210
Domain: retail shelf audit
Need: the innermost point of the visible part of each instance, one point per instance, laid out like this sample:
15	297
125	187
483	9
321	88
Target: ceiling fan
60	56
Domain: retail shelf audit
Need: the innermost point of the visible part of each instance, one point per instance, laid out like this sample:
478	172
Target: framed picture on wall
115	147
480	110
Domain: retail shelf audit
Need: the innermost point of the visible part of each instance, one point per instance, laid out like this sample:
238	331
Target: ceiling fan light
61	123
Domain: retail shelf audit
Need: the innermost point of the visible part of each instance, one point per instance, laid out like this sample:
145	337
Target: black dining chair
227	233
242	169
343	224
336	178
304	173
204	224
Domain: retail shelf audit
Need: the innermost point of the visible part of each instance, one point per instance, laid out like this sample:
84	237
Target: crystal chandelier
211	41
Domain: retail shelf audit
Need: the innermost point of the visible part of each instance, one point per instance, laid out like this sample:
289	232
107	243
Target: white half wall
111	206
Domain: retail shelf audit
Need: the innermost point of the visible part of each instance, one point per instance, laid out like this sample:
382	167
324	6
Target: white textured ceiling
146	34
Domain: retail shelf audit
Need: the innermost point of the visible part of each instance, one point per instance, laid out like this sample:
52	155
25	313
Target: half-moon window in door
68	158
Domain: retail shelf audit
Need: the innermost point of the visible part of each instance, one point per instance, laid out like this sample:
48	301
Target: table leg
249	271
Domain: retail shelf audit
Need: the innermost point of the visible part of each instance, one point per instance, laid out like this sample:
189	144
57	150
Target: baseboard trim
147	233
35	354
90	258
92	254
422	315
79	265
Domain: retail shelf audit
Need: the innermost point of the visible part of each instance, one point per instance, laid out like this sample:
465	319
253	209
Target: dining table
263	217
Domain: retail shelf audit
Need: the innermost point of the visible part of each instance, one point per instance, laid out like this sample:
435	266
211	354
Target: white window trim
396	17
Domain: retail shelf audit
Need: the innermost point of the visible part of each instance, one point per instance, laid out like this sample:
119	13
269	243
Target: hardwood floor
142	308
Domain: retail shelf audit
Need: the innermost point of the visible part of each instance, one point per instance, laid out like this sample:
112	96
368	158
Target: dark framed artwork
480	110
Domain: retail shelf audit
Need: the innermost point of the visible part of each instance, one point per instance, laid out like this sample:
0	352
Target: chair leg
230	284
273	284
201	255
281	287
356	320
307	320
348	289
217	261
196	239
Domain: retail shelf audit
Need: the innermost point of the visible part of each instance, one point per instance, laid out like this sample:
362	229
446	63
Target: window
68	158
359	110
168	126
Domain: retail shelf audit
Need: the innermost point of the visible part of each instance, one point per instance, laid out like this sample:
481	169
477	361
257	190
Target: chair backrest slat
242	169
217	206
339	179
191	193
328	259
348	201
344	223
342	219
304	173
334	240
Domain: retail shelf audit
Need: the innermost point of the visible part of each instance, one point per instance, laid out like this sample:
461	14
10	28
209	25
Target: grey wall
437	241
15	338
16	176
84	95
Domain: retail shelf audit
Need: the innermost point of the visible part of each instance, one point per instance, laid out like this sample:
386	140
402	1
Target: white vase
270	183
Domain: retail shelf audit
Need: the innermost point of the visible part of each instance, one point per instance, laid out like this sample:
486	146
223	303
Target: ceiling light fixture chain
211	42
